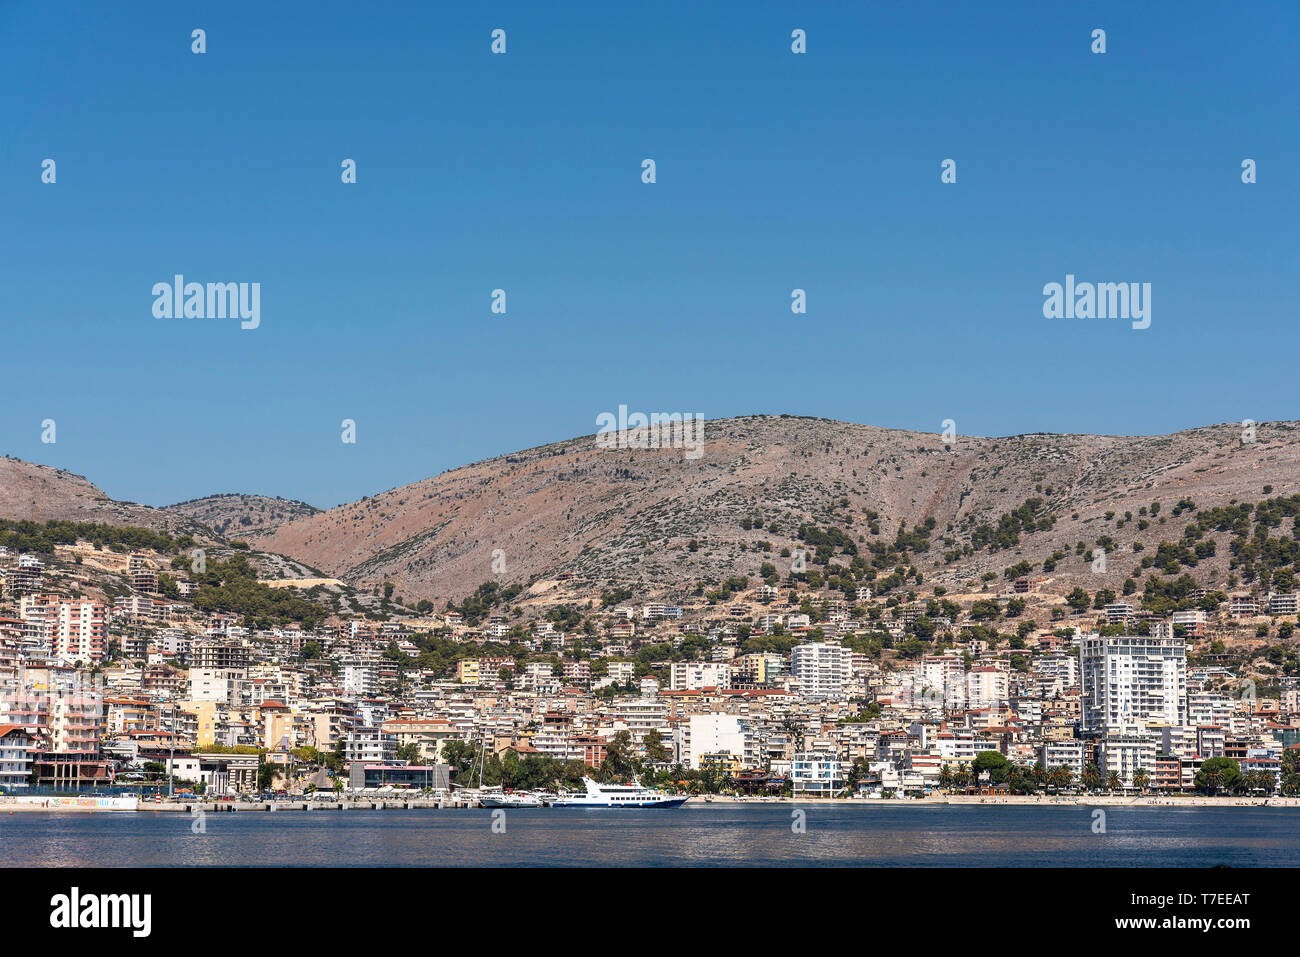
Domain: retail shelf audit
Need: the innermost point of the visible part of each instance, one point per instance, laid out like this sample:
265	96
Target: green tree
1291	771
618	763
409	752
1217	775
1078	599
945	777
266	773
1059	777
994	762
656	752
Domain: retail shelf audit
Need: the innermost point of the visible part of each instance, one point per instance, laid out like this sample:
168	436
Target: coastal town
133	663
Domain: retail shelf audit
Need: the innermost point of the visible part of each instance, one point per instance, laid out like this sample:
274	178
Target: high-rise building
76	629
822	669
941	679
360	675
1131	683
64	719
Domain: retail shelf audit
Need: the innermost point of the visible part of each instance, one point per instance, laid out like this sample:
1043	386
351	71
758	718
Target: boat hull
668	802
509	802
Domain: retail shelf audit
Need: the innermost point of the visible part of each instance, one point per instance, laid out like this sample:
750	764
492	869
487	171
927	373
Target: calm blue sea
728	836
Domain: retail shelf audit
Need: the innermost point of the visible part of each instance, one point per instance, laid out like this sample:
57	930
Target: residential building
1130	683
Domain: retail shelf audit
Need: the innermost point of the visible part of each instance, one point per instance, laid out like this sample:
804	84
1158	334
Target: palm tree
1113	783
945	777
795	731
1141	779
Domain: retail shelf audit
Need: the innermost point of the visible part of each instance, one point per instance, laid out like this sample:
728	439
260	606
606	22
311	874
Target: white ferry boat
617	795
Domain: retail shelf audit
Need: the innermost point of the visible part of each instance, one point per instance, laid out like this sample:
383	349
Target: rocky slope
629	516
40	493
236	515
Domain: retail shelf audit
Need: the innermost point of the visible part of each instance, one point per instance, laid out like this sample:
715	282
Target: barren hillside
630	516
40	493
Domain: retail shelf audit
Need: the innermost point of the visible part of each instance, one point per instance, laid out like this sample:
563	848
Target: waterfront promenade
11	804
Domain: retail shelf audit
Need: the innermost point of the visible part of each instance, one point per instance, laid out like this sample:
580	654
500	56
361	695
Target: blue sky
522	172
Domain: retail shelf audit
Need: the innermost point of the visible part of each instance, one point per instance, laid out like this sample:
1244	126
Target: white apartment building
1119	612
370	746
1211	741
173	642
1125	753
75	629
621	671
1129	683
1192	619
1243	606
821	669
940	679
1064	754
719	733
1056	673
816	774
15	758
360	674
1177	740
539	676
217	684
1205	707
987	687
694	675
961	746
640	716
136	608
1284	604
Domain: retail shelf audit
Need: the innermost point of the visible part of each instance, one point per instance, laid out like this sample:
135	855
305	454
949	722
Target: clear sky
775	171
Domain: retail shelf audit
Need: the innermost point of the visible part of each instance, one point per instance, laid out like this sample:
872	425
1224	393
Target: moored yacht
496	797
617	795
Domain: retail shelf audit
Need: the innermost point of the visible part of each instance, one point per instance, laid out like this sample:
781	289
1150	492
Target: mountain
41	493
629	517
236	515
571	517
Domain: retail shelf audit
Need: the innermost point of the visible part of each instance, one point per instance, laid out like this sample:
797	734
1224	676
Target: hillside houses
820	691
